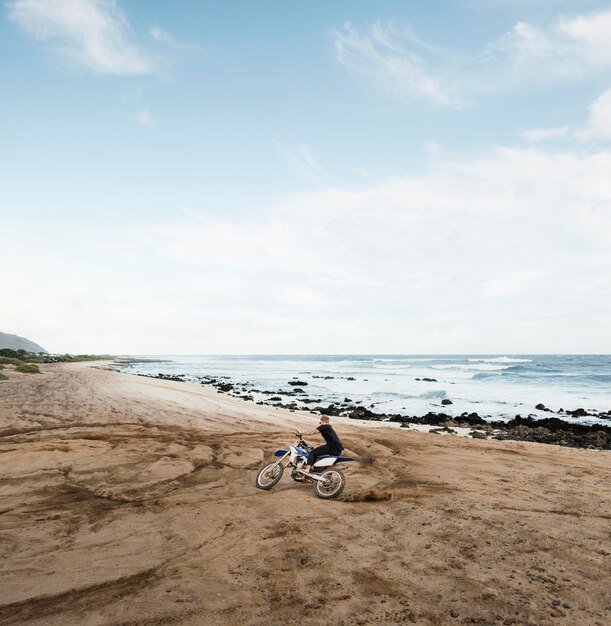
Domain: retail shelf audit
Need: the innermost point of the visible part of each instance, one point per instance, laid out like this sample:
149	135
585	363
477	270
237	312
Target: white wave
501	359
480	367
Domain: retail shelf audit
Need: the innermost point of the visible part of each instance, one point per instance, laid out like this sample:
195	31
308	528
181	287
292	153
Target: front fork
279	461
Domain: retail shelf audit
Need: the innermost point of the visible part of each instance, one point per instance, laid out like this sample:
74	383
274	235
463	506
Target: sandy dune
128	500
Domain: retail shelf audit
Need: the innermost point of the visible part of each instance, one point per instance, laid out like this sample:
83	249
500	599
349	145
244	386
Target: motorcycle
329	482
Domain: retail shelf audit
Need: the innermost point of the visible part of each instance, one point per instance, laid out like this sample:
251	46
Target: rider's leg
314	454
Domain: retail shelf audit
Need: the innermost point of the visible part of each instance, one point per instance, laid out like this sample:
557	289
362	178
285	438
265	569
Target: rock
430	380
579	413
276	399
297	383
542	407
360	412
446	401
453	613
476	434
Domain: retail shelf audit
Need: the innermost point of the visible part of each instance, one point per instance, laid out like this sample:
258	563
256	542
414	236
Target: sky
289	177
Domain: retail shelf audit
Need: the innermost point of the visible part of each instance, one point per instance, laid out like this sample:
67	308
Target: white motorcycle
328	481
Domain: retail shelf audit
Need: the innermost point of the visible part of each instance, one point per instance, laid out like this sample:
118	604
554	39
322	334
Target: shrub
27	368
9	360
3	376
13	354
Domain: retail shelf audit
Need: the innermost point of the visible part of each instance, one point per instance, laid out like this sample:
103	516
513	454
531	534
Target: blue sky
270	177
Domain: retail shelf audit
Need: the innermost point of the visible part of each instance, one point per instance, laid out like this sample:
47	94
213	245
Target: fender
325	461
280	452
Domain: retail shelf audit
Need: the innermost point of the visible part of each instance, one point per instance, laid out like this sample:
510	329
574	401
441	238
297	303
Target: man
333	445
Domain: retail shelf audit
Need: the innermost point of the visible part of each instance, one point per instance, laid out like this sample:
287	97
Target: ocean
494	386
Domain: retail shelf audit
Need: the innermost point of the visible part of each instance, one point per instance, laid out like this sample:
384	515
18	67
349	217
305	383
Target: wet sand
130	500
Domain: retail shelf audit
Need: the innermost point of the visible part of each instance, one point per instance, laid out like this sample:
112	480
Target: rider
333	445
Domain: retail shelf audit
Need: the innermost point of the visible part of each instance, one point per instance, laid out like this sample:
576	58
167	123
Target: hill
14	342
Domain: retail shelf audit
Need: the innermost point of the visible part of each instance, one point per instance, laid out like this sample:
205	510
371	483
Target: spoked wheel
331	485
269	476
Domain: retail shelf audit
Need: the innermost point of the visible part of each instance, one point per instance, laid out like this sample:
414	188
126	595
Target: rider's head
324	419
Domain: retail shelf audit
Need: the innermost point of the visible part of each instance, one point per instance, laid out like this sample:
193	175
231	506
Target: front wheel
269	475
331	485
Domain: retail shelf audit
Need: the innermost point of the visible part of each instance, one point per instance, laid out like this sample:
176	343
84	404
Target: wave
501	359
483	367
427	395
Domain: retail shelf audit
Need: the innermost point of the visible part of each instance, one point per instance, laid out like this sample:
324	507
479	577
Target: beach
131	500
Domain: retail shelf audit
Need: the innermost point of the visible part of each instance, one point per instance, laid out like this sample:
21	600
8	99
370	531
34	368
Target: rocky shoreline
550	430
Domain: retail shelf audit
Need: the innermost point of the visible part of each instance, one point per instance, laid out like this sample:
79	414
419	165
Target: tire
269	476
332	485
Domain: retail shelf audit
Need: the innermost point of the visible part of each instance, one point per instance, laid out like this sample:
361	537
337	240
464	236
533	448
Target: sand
129	500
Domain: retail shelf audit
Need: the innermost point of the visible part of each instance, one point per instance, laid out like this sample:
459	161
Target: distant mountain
19	343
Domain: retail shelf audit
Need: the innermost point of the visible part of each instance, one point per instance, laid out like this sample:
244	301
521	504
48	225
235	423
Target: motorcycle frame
292	453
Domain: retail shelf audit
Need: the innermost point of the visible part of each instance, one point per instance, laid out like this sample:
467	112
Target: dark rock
430	380
178	379
276	399
360	412
579	413
446	401
542	407
351	378
297	383
476	434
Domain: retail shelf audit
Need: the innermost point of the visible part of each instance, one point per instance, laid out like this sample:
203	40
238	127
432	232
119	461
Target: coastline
129	499
555	429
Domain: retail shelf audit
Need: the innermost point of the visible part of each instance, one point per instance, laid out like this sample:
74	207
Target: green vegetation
27	368
3	376
15	357
6	360
69	358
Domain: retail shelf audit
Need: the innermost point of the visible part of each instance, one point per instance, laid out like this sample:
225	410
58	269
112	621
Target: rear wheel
331	485
269	476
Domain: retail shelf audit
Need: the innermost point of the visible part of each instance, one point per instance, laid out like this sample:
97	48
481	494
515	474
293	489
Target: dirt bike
328	483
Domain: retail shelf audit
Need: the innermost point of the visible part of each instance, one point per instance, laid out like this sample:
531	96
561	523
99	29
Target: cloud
161	36
510	252
410	69
599	122
591	34
566	50
546	134
596	128
519	235
303	163
94	34
145	118
398	62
